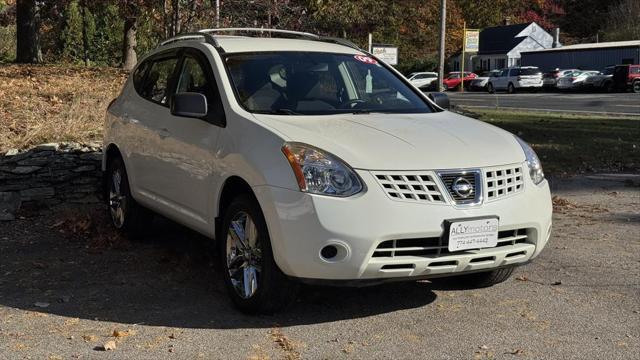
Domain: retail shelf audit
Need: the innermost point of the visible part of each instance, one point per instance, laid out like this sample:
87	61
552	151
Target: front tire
636	87
127	216
486	279
253	280
490	88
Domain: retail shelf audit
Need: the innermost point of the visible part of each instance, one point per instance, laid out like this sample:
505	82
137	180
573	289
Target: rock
10	203
42	304
49	146
95	156
25	169
35	161
12	152
84	168
37	193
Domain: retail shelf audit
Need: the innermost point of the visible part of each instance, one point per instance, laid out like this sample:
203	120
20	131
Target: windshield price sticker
365	59
473	234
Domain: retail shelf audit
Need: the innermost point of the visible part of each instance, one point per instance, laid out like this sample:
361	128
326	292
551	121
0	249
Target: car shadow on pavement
77	268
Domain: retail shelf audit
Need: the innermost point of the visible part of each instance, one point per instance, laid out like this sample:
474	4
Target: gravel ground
69	287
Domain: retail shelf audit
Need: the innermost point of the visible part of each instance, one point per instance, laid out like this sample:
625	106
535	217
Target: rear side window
138	75
156	84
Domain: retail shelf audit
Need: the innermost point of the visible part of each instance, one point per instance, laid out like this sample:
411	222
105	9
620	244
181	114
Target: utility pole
443	24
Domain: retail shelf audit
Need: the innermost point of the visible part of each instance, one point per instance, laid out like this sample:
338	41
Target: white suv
516	78
309	160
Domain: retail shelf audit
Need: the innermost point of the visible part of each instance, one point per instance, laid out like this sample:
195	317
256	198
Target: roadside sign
388	54
472	40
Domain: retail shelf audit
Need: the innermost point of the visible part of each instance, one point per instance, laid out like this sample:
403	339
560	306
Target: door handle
164	133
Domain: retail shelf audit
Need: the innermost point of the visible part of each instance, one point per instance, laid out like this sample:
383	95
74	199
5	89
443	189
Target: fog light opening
329	252
334	252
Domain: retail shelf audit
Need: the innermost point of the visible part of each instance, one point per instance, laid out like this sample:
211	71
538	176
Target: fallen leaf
522	278
89	338
557	282
122	333
516	352
109	345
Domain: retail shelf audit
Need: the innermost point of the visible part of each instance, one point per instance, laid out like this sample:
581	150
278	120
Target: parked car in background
516	78
550	79
602	81
424	80
453	80
575	80
627	77
480	83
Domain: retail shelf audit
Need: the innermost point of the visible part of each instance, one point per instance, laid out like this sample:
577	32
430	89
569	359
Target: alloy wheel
243	255
117	199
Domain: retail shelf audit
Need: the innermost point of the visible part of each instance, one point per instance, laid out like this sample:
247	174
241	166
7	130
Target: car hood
376	141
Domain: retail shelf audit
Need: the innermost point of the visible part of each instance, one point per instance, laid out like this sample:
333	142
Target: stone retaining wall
49	174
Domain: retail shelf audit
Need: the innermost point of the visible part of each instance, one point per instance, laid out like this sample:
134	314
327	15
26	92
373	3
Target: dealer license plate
473	234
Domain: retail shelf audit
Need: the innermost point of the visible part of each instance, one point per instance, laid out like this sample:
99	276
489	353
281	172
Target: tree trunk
176	17
27	30
85	36
129	57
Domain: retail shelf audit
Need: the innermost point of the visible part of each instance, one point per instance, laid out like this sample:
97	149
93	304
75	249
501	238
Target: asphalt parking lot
627	104
68	286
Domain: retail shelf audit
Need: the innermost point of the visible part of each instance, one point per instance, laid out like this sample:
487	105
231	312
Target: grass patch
569	144
47	103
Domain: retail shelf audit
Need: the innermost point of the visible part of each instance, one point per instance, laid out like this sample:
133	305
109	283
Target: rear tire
253	280
511	89
636	87
127	216
486	279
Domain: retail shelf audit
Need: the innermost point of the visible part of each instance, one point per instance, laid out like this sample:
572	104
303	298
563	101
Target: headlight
535	167
319	172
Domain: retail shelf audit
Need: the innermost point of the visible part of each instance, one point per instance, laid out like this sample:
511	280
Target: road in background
615	104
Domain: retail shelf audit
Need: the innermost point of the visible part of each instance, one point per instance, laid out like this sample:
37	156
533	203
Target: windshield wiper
285	112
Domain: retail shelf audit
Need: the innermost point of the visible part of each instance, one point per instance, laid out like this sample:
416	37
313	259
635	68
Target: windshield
307	83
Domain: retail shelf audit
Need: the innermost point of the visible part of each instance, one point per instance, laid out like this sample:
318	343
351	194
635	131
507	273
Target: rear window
529	71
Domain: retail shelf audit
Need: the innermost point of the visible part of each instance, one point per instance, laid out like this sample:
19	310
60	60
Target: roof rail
208	38
263	30
341	41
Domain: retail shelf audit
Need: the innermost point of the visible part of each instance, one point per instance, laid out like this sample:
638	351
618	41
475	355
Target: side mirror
189	104
441	99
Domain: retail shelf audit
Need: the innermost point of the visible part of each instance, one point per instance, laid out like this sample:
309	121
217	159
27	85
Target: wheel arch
233	186
110	152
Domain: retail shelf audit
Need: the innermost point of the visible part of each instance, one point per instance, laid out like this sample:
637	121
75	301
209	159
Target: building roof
501	39
602	45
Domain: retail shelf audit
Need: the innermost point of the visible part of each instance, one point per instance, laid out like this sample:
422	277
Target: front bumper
300	225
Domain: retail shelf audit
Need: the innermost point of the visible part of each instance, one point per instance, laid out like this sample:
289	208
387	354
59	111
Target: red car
627	76
453	80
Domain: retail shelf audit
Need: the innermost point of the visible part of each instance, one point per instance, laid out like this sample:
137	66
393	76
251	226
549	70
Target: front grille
436	246
500	182
472	177
410	186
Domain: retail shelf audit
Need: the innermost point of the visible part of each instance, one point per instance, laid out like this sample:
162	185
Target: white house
500	46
